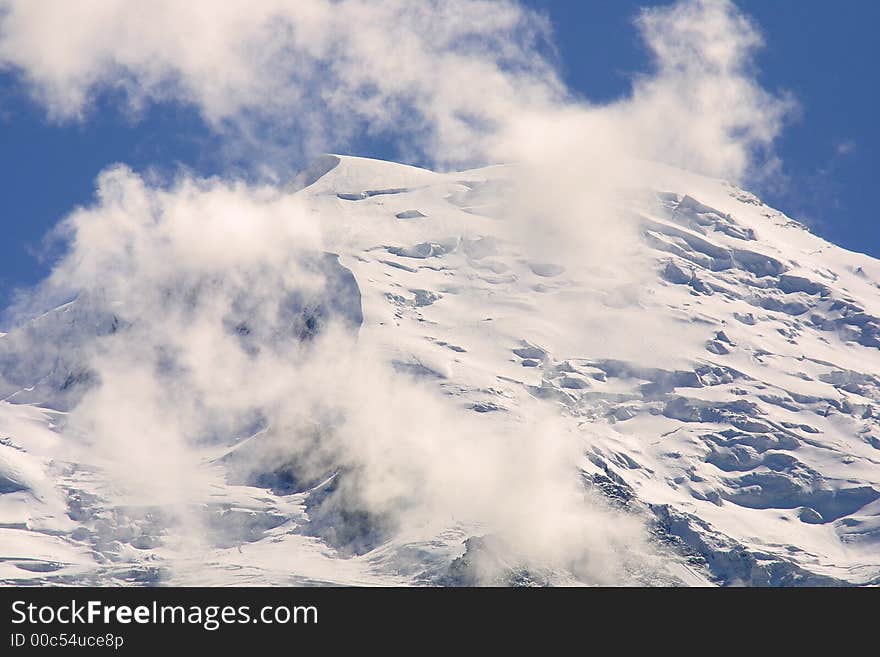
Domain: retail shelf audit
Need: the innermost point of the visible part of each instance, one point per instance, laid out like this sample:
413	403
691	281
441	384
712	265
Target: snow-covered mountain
725	400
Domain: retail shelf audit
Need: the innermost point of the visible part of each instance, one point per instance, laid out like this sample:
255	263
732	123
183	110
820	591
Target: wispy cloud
443	79
845	147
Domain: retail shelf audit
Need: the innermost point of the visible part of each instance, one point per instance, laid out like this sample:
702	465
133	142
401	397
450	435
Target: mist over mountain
430	403
574	351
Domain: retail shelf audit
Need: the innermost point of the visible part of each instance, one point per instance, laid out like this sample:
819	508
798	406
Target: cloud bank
307	73
450	81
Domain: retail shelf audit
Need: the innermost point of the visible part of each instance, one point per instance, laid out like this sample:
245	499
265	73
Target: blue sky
825	57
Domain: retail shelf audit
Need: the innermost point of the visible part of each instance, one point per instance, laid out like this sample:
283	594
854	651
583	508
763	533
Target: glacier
725	400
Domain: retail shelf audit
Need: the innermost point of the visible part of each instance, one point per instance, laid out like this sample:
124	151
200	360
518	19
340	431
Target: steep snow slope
726	395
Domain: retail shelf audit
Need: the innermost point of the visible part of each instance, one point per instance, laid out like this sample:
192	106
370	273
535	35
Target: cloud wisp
450	81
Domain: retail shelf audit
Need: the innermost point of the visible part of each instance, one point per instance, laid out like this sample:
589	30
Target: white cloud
845	147
449	82
319	68
444	79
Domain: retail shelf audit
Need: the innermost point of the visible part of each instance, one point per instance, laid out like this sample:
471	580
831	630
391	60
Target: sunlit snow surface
731	401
